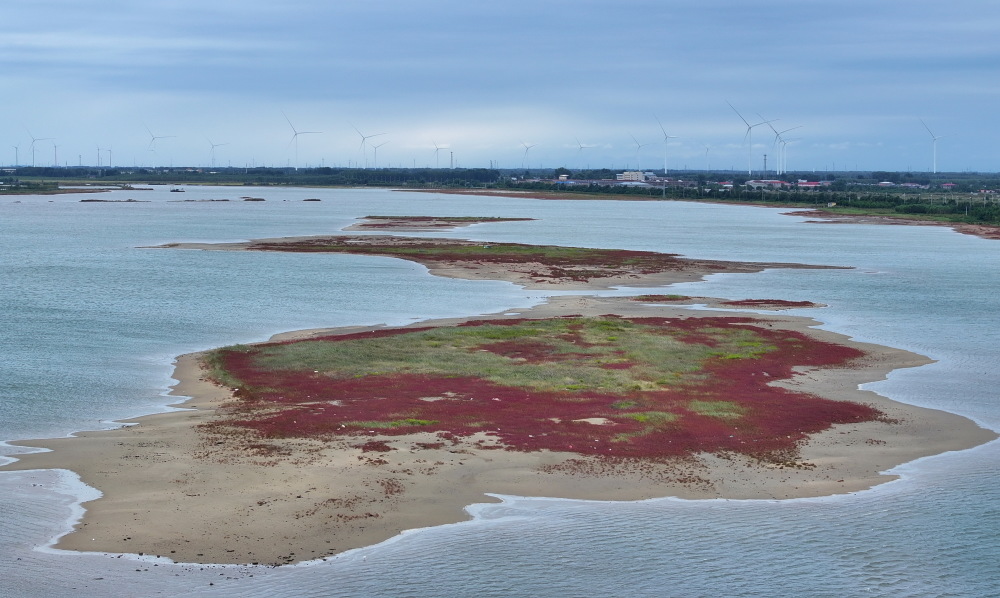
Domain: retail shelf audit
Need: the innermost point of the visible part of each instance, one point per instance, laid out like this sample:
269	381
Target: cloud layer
486	80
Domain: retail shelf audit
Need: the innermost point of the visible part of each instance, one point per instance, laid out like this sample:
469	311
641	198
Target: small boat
177	190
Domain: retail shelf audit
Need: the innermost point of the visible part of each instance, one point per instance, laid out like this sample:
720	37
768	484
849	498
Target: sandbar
172	490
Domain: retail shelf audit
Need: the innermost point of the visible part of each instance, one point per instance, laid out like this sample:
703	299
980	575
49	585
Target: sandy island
529	266
175	490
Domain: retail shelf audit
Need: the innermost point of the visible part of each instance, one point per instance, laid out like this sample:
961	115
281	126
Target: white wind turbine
780	168
375	149
526	148
153	138
708	165
934	139
17	159
666	140
748	137
437	151
295	138
364	140
638	148
581	147
35	140
214	145
784	153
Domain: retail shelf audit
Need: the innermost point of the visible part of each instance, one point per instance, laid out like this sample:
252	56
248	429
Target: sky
624	84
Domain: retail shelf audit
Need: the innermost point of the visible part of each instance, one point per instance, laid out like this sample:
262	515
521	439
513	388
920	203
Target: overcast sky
582	83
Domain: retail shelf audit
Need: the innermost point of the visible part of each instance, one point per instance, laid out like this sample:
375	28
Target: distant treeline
964	201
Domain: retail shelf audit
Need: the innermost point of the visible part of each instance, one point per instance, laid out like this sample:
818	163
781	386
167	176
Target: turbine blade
926	127
738	114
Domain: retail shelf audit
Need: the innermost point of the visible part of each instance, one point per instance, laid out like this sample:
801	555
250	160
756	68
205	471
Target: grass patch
653	417
720	409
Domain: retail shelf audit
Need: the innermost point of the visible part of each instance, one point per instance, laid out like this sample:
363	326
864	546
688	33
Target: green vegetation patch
720	409
556	354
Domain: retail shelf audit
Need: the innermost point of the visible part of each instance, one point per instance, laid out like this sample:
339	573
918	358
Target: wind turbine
33	140
214	145
581	146
109	157
784	153
375	148
748	137
779	139
16	157
364	139
153	138
638	146
437	150
526	148
666	140
934	139
295	138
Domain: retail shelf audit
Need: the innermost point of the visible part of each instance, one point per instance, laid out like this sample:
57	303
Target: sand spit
172	491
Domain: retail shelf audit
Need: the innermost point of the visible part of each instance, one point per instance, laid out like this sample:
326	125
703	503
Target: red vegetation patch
637	423
374	446
542	263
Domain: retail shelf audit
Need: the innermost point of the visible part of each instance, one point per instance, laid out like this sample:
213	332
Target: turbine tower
748	138
214	145
784	153
934	139
579	152
437	153
526	148
638	147
364	139
780	168
33	141
666	140
375	148
295	138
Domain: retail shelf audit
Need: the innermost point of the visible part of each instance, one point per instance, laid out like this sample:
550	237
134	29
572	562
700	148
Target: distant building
631	175
766	183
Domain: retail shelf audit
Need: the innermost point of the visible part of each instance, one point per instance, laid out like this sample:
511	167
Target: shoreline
983	231
168	494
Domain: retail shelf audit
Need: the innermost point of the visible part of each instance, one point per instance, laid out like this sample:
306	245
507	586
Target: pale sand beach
172	491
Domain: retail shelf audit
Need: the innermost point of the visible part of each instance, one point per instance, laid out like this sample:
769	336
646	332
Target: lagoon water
92	321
